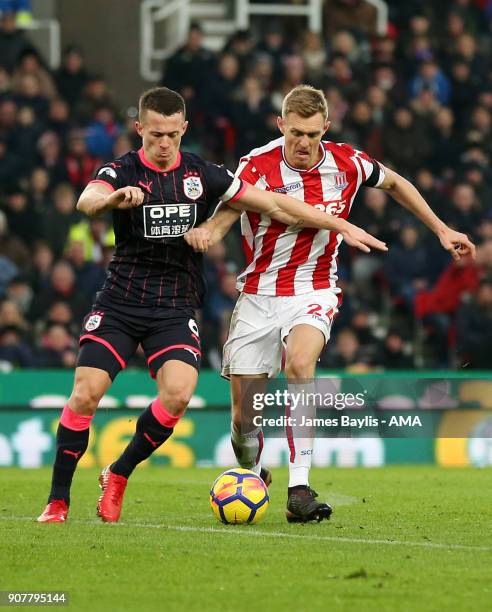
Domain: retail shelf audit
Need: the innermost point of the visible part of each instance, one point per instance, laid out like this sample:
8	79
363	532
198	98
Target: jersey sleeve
110	174
372	171
222	184
248	172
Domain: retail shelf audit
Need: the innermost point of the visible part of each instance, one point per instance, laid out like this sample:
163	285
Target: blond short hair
305	101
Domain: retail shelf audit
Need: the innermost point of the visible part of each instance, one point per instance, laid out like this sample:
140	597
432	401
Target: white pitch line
249	531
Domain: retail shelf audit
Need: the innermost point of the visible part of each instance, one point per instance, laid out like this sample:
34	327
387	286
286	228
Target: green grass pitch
401	538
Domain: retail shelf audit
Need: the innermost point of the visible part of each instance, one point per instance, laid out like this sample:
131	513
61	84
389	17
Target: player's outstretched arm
298	214
97	199
407	195
212	230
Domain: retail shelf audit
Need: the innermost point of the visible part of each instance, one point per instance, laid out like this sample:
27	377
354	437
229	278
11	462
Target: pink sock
165	418
76	422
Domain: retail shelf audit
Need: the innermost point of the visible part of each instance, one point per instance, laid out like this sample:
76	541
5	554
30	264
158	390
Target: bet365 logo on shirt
168	220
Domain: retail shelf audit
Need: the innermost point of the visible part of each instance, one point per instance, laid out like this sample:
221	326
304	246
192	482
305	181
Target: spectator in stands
28	132
345	45
13	42
51	158
58	348
28	93
57	221
474	329
42	263
38	192
445	149
23	221
96	94
11	315
30	63
354	15
394	354
405	265
275	46
59	118
14	351
102	132
189	69
89	277
362	326
405	143
10	166
362	131
464	214
14	255
250	115
314	55
71	77
465	86
61	288
95	234
340	75
430	76
20	293
79	163
240	44
346	354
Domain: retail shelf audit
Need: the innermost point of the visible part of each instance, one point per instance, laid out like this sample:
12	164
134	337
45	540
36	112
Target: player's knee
175	397
84	399
299	365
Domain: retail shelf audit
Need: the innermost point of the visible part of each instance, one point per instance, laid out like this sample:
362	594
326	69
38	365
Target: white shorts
260	324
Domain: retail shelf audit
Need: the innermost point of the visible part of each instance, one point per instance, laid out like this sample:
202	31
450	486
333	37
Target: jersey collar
152	166
316	165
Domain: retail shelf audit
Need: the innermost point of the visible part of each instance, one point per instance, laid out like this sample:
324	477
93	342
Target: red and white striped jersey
287	261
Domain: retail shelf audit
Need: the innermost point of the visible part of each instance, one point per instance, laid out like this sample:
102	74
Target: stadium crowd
419	99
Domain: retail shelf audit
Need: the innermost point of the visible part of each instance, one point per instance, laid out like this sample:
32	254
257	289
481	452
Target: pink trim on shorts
165	418
170	348
105	343
74	421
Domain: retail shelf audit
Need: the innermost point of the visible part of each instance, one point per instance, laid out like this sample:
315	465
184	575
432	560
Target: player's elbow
84	205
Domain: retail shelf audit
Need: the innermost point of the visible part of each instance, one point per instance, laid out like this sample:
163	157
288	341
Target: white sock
301	438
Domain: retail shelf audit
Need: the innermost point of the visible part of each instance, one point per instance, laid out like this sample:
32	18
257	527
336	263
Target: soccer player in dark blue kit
153	287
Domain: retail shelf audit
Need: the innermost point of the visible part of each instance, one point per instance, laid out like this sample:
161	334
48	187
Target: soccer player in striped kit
289	294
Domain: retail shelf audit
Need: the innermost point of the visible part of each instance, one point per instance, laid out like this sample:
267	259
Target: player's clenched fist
199	239
126	197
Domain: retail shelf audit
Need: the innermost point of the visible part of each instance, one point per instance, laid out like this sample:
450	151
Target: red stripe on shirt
270	238
321	274
313	194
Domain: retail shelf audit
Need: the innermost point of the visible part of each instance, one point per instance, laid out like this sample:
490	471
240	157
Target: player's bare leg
176	382
246	438
72	438
303	347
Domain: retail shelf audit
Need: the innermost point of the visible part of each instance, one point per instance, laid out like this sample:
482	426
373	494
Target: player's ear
281	124
139	128
185	127
327	125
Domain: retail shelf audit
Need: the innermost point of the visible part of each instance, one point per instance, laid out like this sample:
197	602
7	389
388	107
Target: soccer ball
239	496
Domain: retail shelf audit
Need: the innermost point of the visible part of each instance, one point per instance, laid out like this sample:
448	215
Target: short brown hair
161	100
305	101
